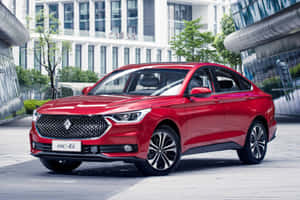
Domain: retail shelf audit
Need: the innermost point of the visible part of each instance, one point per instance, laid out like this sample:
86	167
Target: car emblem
67	124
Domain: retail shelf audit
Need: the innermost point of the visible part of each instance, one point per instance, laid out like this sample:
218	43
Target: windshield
144	82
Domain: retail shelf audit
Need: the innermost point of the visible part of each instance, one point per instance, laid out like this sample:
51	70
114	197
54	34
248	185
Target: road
217	175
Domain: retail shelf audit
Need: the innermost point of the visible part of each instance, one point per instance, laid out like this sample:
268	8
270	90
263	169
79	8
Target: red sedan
151	115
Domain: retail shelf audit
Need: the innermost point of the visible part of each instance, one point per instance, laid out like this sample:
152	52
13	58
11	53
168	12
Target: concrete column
72	55
16	53
92	18
141	20
161	22
84	56
46	13
124	19
109	58
97	57
131	55
121	56
76	18
107	18
61	17
30	54
143	55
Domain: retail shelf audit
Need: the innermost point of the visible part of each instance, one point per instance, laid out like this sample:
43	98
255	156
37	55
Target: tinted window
226	81
200	79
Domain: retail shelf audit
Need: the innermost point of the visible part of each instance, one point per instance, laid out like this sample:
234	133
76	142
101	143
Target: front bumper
83	157
110	146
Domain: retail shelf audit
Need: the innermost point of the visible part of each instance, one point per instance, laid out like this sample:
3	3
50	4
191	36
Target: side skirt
213	147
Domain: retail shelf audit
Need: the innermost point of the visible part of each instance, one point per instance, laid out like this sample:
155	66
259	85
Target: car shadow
128	170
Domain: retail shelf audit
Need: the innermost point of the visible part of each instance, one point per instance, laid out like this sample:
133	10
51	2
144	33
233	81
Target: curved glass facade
274	64
10	100
247	12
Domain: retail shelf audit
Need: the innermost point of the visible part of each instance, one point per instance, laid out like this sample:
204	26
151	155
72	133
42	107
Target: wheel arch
172	124
263	120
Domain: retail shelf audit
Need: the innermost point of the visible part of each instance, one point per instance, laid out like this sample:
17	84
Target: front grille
80	126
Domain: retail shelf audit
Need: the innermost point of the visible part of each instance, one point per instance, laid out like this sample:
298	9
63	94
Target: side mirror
86	90
200	92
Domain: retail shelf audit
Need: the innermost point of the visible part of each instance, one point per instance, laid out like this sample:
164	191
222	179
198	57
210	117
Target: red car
151	115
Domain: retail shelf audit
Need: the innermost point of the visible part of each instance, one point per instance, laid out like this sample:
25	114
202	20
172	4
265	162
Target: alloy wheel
257	142
162	151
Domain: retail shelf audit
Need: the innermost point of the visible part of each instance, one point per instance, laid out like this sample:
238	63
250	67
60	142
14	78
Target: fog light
33	145
94	149
128	148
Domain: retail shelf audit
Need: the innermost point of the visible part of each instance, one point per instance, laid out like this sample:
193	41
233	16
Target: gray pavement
217	175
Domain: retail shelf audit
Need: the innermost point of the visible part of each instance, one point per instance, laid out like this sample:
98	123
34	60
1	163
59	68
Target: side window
226	81
245	85
200	79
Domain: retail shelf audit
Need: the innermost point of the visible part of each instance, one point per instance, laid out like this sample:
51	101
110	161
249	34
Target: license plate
71	146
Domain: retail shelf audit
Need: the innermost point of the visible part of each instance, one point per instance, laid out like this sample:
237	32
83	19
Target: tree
192	44
227	57
49	54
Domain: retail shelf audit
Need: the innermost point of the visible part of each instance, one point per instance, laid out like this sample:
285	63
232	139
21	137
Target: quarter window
226	81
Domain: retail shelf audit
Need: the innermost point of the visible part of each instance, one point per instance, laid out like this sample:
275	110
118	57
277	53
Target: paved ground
216	175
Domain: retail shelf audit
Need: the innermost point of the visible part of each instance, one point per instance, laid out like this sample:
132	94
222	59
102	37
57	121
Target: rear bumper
83	157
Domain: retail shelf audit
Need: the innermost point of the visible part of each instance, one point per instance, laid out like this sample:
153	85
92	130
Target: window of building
178	13
216	19
137	55
158	56
103	60
126	56
100	16
68	16
39	12
23	56
37	56
27	7
116	16
53	18
14	7
170	55
78	55
84	16
115	57
91	57
65	56
178	58
132	17
149	27
148	55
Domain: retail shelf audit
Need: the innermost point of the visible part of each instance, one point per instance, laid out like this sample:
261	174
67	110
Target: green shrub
31	105
75	74
295	71
29	78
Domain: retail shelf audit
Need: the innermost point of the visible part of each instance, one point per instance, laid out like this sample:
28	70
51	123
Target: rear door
233	93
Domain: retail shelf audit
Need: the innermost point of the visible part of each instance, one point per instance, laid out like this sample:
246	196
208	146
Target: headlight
130	117
35	116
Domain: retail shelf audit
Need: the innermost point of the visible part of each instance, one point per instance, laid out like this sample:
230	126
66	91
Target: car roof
171	65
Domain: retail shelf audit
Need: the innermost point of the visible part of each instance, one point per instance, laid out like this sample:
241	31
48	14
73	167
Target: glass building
12	32
268	39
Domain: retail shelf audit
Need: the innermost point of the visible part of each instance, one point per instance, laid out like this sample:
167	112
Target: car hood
89	105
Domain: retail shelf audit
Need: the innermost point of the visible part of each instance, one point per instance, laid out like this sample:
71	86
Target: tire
163	154
60	166
255	147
